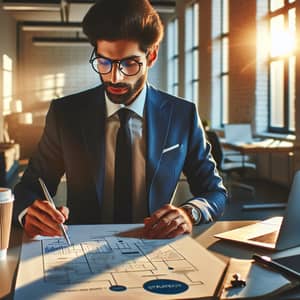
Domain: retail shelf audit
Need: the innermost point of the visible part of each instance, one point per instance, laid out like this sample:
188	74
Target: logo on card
165	286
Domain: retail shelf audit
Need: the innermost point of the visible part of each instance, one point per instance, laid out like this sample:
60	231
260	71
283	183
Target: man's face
120	88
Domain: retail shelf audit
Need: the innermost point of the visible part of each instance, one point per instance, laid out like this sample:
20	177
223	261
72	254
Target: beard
129	96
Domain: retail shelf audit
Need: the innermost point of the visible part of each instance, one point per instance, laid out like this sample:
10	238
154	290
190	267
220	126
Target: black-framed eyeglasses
129	66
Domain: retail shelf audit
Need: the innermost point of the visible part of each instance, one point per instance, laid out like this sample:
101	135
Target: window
173	57
224	61
7	83
52	86
282	64
192	52
220	63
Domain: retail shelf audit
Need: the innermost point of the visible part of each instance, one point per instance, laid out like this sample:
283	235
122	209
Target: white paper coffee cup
6	207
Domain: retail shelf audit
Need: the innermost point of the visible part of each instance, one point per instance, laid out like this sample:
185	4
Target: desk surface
203	234
267	145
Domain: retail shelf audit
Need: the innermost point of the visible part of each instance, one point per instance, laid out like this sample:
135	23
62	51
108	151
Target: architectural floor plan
103	263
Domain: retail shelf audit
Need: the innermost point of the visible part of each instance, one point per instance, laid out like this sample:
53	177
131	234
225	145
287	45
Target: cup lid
3	253
5	194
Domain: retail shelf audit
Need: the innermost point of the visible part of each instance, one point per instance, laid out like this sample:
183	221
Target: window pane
195	91
6	105
7	63
7	83
195	64
175	90
292	95
277	93
292	28
224	54
170	37
225	16
191	50
292	19
172	54
196	24
175	61
224	61
275	4
188	75
225	113
188	28
277	28
175	37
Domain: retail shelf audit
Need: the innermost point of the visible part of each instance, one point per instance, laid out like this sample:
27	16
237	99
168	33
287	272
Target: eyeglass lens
126	66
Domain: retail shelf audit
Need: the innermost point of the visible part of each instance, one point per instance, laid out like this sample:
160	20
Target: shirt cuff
204	208
21	216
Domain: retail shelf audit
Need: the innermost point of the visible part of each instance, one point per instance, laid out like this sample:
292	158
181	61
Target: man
124	144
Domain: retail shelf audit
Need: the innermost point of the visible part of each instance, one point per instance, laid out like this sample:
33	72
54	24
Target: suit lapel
93	130
158	117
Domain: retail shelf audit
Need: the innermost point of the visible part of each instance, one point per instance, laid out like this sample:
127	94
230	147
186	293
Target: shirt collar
136	106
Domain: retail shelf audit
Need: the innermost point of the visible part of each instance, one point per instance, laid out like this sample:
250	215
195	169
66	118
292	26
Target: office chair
227	167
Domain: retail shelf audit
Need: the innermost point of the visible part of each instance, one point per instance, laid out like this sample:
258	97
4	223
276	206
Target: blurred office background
238	60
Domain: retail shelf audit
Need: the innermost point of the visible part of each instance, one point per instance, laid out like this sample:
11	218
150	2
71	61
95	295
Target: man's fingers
164	232
65	211
44	219
156	216
167	222
34	226
47	208
181	229
161	218
167	219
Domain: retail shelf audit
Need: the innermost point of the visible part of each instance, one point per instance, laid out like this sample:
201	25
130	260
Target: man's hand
167	222
43	219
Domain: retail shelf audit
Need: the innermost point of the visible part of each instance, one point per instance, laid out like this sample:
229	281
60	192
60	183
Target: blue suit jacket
73	142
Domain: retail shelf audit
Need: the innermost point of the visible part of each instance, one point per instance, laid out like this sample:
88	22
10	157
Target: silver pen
49	199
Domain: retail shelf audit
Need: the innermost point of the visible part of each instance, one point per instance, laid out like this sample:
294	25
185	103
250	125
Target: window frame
286	127
173	57
224	74
191	51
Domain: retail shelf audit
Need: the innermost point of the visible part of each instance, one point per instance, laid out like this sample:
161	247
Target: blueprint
104	263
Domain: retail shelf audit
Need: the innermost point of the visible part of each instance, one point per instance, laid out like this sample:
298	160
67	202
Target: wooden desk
264	146
203	234
9	267
268	146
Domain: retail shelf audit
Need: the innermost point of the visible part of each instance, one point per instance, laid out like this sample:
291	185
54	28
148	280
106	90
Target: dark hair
134	20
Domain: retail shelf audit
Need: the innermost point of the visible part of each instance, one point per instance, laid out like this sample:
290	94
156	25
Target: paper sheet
104	264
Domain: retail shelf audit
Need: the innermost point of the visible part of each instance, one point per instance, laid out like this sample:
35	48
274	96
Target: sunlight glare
282	43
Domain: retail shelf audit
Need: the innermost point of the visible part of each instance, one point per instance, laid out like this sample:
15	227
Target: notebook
276	233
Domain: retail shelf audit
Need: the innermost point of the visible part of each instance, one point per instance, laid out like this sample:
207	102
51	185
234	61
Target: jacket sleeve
210	195
46	162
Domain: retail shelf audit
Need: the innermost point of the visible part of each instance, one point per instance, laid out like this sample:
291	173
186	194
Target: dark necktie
123	172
